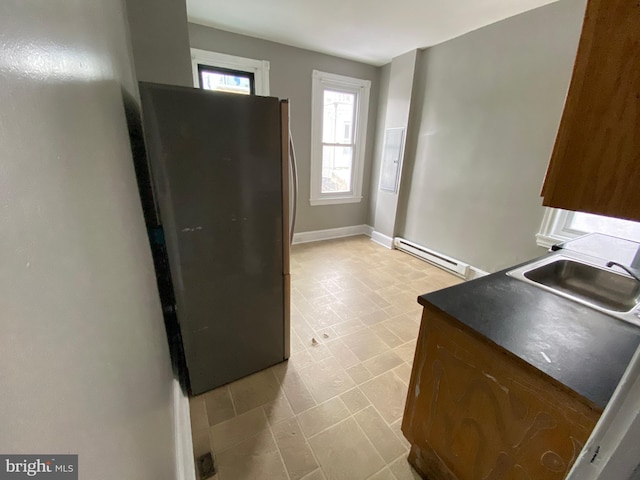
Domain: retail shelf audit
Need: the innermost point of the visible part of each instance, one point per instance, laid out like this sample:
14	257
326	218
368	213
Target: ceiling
369	31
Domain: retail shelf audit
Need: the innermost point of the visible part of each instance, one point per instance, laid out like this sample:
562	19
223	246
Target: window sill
548	241
553	229
333	200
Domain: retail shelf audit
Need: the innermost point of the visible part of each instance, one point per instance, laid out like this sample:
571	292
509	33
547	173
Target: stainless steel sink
596	286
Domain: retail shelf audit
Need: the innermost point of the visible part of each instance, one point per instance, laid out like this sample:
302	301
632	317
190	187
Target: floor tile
312	291
301	359
343	311
325	316
278	410
386	336
403	327
348	326
359	373
380	434
326	379
232	432
375	317
355	400
388	394
317	475
199	426
319	351
383	362
323	416
296	391
365	344
295	450
255	390
404	373
402	470
384	474
406	351
219	405
256	458
345	453
343	354
397	429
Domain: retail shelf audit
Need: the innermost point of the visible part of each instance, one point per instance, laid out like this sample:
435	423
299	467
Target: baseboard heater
450	264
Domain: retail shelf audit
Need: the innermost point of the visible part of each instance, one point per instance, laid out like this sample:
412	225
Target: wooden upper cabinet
595	166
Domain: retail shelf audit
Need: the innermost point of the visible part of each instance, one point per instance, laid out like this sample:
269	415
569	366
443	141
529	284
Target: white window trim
259	68
323	80
555	228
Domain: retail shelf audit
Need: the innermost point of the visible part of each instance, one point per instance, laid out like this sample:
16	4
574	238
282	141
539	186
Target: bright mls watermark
50	467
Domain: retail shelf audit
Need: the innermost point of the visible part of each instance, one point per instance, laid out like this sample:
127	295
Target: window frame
259	68
556	227
202	68
322	81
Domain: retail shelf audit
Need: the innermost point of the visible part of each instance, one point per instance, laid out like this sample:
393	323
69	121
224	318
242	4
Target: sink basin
603	288
597	287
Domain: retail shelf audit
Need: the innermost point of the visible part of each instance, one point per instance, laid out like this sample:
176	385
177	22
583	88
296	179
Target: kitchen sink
595	286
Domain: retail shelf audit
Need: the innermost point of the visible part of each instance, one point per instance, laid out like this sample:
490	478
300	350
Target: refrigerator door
217	170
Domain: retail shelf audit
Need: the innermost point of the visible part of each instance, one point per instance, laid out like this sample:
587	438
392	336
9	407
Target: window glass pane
337	117
336	169
225	82
586	222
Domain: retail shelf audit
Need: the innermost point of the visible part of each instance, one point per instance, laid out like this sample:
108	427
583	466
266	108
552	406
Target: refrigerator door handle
294	175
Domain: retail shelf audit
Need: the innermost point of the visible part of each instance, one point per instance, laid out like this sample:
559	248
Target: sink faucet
634	272
633	269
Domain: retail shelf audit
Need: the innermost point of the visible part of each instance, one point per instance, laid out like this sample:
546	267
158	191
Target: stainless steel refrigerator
220	175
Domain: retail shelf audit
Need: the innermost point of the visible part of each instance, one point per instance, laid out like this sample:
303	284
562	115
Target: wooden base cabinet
475	411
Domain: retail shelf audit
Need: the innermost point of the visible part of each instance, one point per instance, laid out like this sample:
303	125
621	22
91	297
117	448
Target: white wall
84	362
491	109
290	77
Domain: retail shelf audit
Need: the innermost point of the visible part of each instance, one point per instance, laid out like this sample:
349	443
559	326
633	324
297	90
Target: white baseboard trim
185	464
382	239
330	233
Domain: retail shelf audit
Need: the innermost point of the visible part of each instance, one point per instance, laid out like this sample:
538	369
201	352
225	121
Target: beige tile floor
334	410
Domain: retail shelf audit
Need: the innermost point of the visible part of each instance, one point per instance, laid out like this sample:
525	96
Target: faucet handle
634	272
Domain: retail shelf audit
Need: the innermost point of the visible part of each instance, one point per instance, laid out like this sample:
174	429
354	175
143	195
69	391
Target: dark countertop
583	349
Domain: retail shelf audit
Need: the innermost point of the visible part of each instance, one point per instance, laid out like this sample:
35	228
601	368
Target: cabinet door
595	166
473	412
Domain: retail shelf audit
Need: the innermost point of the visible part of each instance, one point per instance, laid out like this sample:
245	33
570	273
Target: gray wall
492	105
383	97
160	41
399	99
290	77
84	362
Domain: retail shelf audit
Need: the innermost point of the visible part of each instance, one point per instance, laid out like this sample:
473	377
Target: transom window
226	80
228	73
339	117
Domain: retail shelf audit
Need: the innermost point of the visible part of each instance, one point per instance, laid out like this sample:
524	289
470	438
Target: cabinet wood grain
474	411
595	165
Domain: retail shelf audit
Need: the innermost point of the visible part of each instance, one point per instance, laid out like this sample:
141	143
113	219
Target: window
226	80
217	71
338	129
561	225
